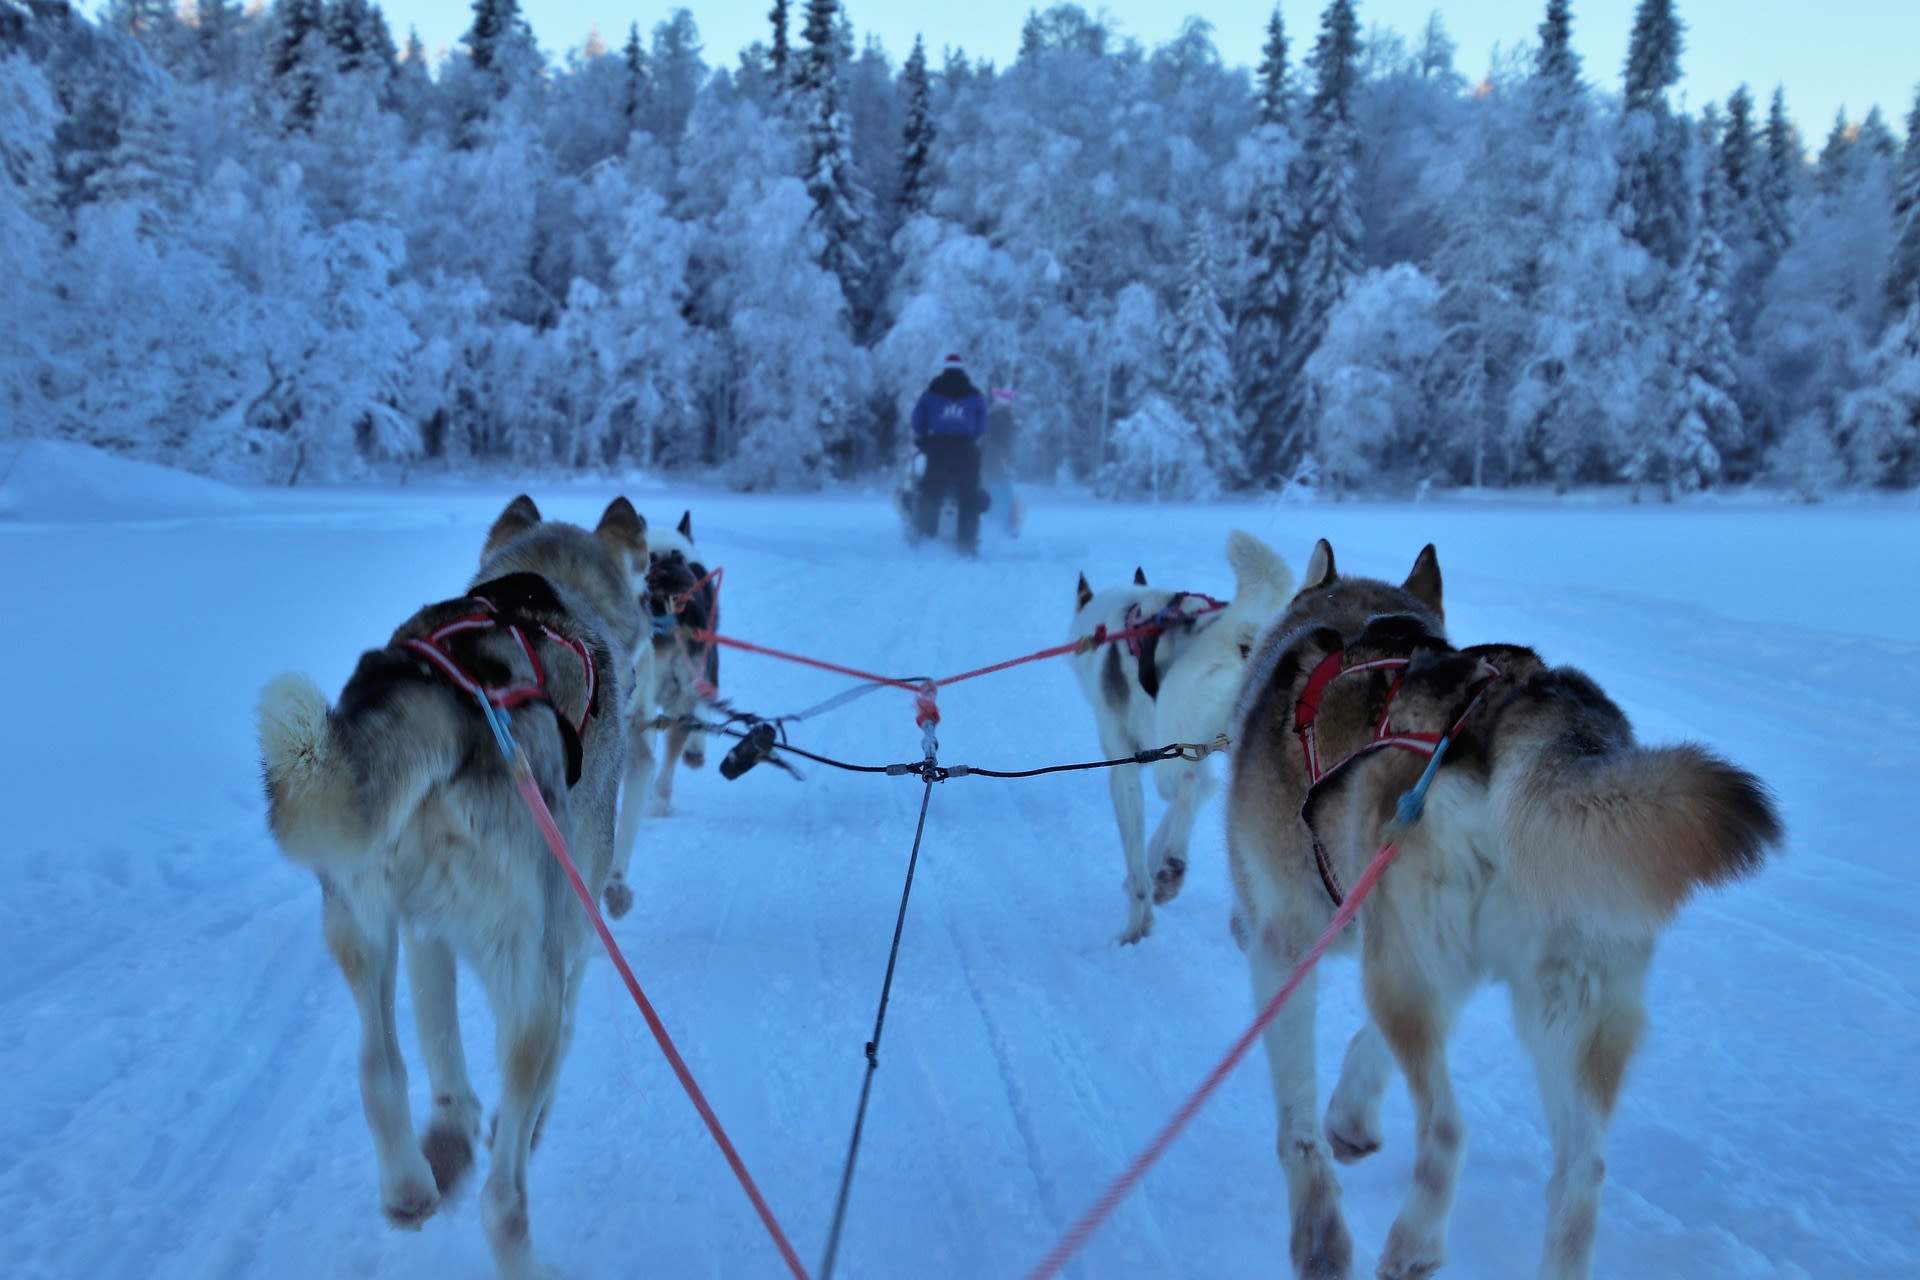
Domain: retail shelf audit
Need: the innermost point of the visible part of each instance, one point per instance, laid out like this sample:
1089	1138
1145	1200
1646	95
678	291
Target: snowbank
53	480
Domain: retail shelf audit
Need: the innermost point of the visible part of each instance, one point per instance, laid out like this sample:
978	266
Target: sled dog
682	602
1175	685
1552	850
398	799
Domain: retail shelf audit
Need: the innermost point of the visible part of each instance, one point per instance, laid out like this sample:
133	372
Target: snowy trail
180	1054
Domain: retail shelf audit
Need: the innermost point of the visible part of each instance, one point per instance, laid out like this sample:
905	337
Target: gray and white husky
1552	850
398	799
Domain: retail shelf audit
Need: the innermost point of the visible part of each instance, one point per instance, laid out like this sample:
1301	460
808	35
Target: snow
180	1054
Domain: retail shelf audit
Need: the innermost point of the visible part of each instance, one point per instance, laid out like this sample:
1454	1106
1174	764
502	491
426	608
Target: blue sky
1838	54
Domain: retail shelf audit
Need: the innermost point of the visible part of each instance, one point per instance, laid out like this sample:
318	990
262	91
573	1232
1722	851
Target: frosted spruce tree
1654	195
1330	252
840	203
1780	175
1202	381
916	183
1903	265
1271	251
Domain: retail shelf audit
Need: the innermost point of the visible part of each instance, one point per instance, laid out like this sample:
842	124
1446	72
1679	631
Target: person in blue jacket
948	421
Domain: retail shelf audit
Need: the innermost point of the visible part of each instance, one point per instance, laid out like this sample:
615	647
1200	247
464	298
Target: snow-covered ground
179	1055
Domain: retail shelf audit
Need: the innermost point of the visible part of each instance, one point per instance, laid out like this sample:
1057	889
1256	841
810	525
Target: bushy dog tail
1258	570
334	794
1623	838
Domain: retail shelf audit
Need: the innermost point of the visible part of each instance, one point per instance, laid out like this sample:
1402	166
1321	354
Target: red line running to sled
716	638
1099	637
1117	1190
555	841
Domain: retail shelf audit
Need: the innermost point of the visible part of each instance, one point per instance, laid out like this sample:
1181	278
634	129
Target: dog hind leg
453	1127
1129	811
1580	1054
618	895
368	954
527	990
1319	1245
1353	1115
1185	785
1415	1017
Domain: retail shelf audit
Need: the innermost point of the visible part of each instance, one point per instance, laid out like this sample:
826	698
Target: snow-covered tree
1202	382
1330	231
1694	425
918	134
1879	424
841	205
1271	230
1779	177
1369	375
777	48
1654	195
1159	454
1903	264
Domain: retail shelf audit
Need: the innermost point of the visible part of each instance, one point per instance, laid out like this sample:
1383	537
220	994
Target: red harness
433	648
1306	710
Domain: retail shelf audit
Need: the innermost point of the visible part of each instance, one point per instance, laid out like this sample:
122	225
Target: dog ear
1320	570
686	525
623	530
520	516
1082	594
1139	576
1423	583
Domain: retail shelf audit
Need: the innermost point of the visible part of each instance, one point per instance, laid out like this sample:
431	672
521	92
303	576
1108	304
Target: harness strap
1143	633
433	647
1306	711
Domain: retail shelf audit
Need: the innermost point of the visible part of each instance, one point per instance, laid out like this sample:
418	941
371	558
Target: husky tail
337	789
1258	571
1608	833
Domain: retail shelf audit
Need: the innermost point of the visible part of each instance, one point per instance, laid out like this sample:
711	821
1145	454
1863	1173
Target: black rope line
873	1045
927	768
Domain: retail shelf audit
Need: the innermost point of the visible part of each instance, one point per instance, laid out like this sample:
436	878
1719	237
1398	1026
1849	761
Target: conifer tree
300	61
1702	430
1202	371
1272	244
777	57
633	59
1273	73
1903	263
1654	199
918	133
839	201
1330	255
1780	170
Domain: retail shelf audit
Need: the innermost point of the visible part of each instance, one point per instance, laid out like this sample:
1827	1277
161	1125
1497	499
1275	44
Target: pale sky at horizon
1847	54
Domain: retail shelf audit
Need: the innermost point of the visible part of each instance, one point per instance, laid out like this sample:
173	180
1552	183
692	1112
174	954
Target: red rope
1099	636
555	841
1117	1190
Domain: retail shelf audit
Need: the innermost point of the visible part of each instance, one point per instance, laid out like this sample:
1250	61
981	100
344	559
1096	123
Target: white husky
1176	685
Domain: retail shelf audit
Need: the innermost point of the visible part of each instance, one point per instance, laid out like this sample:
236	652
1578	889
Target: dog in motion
683	601
1174	684
1552	850
399	800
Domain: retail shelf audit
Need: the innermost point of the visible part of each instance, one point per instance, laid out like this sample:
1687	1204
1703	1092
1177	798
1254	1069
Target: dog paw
1351	1146
659	806
694	757
1411	1253
1135	930
618	897
1168	879
449	1153
409	1202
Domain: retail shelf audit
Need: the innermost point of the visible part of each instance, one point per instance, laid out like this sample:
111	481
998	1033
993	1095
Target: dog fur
398	800
1552	850
674	566
1199	668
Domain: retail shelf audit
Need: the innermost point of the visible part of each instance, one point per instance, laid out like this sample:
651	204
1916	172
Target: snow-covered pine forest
275	246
